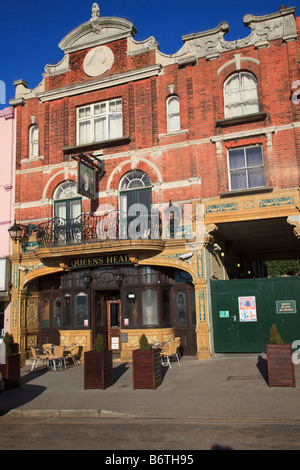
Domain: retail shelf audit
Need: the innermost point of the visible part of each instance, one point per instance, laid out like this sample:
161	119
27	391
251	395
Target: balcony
89	229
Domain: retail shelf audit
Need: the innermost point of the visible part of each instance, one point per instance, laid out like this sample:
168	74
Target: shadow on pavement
119	370
262	365
18	397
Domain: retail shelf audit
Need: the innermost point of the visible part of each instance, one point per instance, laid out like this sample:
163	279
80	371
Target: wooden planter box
281	371
146	368
98	369
14	348
11	371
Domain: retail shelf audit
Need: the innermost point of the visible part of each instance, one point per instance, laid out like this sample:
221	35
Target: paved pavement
224	387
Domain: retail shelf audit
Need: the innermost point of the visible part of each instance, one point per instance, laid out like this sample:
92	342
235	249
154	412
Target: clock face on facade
98	61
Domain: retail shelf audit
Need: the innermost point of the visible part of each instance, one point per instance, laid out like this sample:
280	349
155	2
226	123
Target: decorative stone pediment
278	25
96	32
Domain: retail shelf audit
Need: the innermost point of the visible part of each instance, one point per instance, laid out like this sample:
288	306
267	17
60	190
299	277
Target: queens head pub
113	296
115	141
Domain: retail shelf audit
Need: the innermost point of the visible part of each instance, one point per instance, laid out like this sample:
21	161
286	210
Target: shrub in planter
144	343
279	357
98	366
146	366
11	369
99	344
274	337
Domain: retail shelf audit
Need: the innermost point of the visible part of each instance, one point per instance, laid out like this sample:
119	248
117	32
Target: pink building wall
7	165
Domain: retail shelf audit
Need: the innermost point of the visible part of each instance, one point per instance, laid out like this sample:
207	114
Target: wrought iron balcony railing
89	228
92	229
84	229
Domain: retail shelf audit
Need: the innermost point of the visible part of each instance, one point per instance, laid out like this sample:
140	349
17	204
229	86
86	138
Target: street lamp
118	277
86	279
16	231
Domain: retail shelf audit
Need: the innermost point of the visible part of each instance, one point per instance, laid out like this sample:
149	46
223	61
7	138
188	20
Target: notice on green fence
247	309
224	314
286	306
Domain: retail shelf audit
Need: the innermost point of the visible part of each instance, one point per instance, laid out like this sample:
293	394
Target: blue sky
31	30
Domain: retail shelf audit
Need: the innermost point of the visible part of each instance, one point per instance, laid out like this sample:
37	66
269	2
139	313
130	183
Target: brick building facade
211	131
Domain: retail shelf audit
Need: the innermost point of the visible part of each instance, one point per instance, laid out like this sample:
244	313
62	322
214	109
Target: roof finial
95	12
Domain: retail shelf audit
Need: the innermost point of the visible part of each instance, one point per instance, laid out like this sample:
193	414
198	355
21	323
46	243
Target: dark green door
244	310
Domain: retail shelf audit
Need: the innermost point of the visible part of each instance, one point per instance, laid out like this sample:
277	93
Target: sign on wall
86	180
224	313
105	260
247	309
286	306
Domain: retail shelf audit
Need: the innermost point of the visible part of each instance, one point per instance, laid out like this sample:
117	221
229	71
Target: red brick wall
166	158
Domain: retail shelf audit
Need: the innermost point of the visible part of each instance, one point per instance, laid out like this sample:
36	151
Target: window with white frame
173	114
246	168
241	95
34	141
99	121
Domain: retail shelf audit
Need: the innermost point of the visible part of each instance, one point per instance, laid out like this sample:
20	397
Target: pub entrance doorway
107	319
114	325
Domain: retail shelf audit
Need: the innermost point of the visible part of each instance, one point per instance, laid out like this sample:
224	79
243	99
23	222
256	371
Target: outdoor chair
71	353
168	351
178	339
48	347
57	356
36	357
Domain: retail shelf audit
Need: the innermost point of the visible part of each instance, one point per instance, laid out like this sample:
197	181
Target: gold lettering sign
99	261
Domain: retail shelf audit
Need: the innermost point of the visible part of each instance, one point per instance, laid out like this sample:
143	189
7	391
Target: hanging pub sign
86	180
90	169
247	309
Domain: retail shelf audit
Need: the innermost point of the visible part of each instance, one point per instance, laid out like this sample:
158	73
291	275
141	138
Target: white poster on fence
247	309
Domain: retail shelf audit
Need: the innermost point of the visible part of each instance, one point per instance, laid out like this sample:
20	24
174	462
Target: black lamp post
16	231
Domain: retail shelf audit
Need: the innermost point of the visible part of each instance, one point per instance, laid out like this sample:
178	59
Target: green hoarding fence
243	311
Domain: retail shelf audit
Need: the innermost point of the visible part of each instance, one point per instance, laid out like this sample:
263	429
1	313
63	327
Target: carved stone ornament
294	220
32	313
279	25
98	61
95	11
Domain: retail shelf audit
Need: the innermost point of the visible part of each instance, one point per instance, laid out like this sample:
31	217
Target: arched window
67	202
240	95
173	114
34	141
67	211
135	203
135	179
